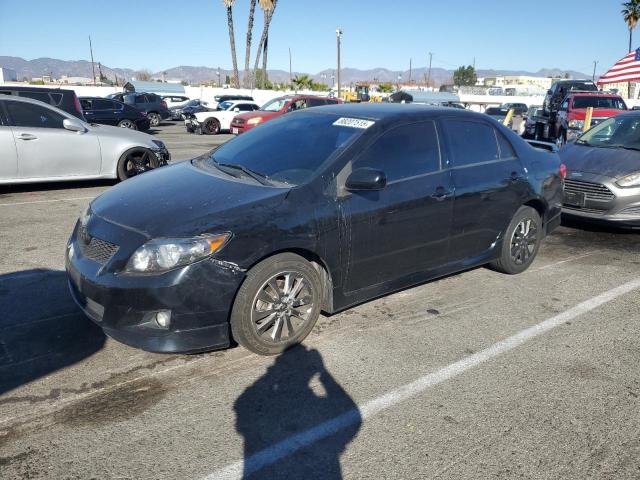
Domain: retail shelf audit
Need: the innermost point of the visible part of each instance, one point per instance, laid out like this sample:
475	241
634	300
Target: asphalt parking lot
477	375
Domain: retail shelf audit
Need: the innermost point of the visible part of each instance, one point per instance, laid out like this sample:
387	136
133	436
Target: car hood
257	113
134	136
611	162
183	200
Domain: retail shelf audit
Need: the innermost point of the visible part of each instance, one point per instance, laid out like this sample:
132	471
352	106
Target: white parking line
371	408
47	201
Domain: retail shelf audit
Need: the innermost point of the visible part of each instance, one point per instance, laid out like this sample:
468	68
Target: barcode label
353	122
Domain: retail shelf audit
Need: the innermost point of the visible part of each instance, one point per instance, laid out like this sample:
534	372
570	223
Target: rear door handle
441	193
515	176
27	136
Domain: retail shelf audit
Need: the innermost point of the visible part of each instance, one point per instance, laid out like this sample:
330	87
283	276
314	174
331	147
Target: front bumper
603	201
199	296
164	157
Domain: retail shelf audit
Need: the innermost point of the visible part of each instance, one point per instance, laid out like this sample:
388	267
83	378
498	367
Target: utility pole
593	77
290	77
338	38
474	63
93	66
429	74
410	70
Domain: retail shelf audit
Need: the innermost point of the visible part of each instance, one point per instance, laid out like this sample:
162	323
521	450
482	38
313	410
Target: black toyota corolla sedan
315	211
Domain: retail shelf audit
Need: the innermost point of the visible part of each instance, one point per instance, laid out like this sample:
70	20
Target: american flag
625	70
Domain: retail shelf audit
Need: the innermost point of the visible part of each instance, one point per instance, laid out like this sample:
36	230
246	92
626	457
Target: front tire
277	305
521	242
136	161
211	126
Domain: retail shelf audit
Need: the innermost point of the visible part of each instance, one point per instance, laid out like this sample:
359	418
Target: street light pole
429	74
593	77
218	77
338	38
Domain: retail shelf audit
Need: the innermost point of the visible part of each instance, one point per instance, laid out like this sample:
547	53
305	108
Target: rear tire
521	242
154	119
277	305
126	123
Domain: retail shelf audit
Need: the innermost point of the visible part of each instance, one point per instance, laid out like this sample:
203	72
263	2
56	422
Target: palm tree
268	7
232	41
246	80
631	15
302	82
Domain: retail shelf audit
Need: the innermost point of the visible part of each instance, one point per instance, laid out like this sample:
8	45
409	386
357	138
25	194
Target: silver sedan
603	173
41	143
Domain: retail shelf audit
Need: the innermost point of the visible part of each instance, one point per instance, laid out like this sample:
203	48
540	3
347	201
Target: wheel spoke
287	284
274	286
276	333
260	314
264	326
290	329
266	297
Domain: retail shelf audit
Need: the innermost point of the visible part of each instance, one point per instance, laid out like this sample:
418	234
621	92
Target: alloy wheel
282	306
523	241
139	161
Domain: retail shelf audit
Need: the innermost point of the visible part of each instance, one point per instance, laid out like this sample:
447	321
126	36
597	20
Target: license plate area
574	199
234	131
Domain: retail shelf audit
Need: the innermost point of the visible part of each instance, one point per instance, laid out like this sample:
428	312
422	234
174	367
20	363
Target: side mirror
236	109
73	125
366	179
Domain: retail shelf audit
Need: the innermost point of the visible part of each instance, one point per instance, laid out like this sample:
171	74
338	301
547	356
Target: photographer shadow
289	420
41	328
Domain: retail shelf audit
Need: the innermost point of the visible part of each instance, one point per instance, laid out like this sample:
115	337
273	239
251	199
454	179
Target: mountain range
82	68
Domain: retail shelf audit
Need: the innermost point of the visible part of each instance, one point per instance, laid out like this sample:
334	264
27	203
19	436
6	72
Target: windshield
225	105
274	105
610	103
622	131
286	150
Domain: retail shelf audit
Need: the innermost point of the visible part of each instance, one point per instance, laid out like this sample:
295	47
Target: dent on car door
45	148
403	228
490	183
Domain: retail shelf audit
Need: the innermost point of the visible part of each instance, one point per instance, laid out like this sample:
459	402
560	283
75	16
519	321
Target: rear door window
315	102
404	152
34	116
100	104
42	96
86	104
470	142
140	99
506	149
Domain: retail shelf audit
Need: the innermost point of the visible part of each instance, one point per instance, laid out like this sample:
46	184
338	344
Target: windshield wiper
259	177
629	148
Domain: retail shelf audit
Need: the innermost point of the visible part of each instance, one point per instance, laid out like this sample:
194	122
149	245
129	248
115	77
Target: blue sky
159	34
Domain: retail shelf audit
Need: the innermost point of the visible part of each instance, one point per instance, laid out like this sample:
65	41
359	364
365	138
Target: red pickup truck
572	112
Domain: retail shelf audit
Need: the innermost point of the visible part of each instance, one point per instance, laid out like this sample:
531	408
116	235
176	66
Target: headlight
84	216
163	254
159	144
576	123
255	120
632	180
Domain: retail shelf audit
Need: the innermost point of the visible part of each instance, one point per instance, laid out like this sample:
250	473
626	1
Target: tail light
77	106
563	171
164	104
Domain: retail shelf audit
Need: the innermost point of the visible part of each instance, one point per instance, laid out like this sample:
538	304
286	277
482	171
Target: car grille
93	248
592	191
597	211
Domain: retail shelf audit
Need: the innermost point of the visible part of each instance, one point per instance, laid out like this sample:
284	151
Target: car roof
35	89
593	94
392	111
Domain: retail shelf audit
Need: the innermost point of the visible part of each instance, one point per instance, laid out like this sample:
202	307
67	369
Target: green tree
263	82
232	40
465	76
631	15
385	87
143	75
302	82
184	83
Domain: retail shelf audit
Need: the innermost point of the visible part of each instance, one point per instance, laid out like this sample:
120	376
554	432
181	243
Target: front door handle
441	193
27	136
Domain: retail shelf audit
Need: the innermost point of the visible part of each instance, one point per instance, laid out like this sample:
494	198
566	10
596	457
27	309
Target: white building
8	75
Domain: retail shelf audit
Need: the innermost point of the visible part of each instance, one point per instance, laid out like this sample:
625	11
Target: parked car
227	98
64	99
530	120
149	103
603	173
218	120
560	89
275	108
188	111
573	111
192	106
498	113
518	108
41	143
175	100
112	112
315	211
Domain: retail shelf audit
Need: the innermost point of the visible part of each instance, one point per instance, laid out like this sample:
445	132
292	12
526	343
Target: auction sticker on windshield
353	122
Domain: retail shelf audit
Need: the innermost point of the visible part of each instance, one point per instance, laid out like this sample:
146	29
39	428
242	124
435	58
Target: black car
107	111
263	233
192	106
150	103
226	98
64	99
561	89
